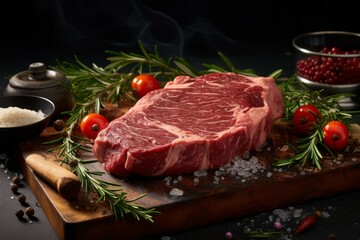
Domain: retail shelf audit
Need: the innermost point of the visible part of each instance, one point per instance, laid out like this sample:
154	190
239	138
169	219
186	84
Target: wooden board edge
209	210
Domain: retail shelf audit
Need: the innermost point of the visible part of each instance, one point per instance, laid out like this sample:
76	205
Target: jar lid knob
37	71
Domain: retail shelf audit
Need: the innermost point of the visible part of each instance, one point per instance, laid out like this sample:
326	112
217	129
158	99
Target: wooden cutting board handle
66	183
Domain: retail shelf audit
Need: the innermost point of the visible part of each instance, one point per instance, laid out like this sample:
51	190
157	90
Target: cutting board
205	199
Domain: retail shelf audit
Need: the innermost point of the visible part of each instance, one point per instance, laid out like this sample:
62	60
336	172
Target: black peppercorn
29	211
59	125
22	198
16	180
19	213
73	163
332	236
14	188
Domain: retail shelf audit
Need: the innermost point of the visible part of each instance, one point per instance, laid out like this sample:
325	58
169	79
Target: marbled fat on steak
191	124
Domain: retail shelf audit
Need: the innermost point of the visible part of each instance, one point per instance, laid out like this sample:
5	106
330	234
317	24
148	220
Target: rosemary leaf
184	68
227	61
214	68
276	74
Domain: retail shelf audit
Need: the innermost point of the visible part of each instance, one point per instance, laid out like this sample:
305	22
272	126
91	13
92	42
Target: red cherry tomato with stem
144	83
305	117
92	124
336	135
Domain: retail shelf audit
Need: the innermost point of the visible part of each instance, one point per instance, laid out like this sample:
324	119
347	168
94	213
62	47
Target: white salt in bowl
9	135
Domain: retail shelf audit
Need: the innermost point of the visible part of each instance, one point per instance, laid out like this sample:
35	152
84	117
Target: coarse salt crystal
168	180
325	214
200	173
176	192
246	155
218	173
281	214
216	180
297	213
196	181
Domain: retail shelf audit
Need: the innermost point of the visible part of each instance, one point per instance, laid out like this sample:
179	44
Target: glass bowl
330	61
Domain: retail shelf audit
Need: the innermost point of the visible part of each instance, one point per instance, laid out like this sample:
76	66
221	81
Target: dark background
255	33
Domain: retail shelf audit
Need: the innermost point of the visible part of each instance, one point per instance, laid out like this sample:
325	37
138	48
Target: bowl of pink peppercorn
329	61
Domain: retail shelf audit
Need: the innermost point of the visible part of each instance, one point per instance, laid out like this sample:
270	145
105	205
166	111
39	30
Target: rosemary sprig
263	234
93	87
106	191
307	148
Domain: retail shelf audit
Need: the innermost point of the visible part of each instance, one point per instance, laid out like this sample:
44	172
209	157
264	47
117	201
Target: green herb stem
307	148
263	234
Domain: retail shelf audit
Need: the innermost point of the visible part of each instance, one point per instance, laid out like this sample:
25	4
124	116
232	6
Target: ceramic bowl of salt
23	117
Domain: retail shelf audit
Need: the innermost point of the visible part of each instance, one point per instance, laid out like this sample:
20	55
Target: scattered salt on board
176	192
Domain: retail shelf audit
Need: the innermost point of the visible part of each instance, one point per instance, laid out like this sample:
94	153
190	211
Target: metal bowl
347	103
9	135
309	47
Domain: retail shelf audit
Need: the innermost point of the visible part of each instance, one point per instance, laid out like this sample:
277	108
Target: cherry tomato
144	83
92	124
336	135
305	118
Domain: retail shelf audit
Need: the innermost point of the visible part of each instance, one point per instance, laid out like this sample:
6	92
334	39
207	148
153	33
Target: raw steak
191	124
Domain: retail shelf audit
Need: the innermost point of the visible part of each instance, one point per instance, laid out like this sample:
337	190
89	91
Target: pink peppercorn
277	225
228	235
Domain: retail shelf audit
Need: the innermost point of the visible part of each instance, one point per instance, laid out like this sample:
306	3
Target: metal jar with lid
38	80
